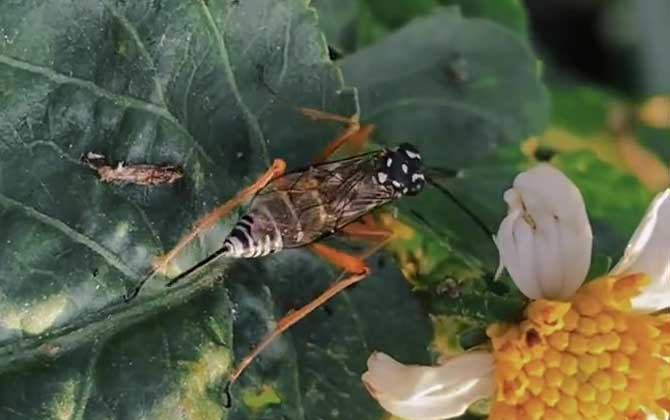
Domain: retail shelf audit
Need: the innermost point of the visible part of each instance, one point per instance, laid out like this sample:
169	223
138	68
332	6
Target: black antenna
219	252
461	206
132	295
421	218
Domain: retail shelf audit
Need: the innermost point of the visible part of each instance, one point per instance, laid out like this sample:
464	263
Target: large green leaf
174	82
212	86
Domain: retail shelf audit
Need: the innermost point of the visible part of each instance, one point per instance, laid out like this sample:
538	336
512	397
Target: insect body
304	206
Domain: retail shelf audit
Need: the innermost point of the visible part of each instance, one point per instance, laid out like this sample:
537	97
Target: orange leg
294	316
354	134
277	169
316	115
349	263
366	228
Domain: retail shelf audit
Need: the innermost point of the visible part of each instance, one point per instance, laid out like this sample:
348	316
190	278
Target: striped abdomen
253	236
270	225
297	216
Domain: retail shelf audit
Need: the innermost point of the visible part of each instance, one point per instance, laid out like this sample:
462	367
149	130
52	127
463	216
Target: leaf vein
287	45
250	119
127	101
85	394
78	237
143	51
425	101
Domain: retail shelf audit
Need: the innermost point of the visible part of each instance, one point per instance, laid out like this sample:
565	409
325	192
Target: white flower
648	252
429	393
545	244
545	240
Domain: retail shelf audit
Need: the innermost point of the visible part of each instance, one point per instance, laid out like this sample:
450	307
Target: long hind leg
355	265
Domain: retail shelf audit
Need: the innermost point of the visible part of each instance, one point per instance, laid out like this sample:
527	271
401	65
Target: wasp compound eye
402	170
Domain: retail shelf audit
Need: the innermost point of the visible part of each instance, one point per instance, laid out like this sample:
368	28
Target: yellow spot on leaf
199	396
44	314
562	140
621	150
33	318
656	112
446	332
63	404
265	396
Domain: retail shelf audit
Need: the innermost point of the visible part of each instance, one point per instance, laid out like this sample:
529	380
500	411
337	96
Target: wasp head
401	169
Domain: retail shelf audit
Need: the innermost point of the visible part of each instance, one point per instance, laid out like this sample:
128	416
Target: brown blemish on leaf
142	174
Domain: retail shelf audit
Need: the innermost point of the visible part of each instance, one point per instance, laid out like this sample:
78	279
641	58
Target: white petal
509	257
429	393
648	252
525	247
549	262
651	416
545	240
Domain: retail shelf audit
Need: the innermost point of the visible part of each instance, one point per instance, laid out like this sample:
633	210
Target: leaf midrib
104	323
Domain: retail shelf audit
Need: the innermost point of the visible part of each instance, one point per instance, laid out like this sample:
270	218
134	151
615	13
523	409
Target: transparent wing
327	176
328	196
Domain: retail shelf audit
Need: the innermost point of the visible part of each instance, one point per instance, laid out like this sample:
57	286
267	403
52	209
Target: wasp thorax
401	169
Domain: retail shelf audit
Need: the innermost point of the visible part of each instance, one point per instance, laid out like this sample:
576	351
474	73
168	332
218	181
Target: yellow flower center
590	358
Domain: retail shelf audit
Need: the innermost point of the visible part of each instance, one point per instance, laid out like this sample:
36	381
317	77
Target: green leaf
165	365
581	109
655	140
353	24
468	87
183	83
509	13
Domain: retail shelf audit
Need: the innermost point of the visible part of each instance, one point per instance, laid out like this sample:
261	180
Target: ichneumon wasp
301	207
